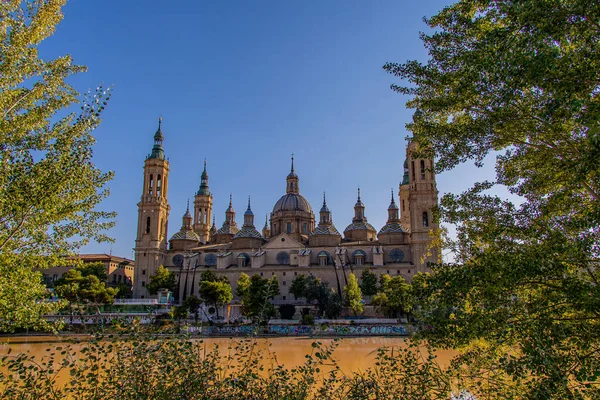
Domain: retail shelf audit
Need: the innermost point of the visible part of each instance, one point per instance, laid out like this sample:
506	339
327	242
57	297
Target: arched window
150	185
422	170
200	220
158	185
403	205
425	220
283	258
324	258
243	260
359	257
305	228
396	255
148	225
289	227
412	165
210	260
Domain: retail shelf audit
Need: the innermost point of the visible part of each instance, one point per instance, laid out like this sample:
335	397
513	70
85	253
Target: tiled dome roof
292	202
325	230
391	227
248	232
186	235
359	226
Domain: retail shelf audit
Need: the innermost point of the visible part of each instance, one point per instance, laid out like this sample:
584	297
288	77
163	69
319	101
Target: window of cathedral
359	257
150	185
283	273
412	164
305	228
283	283
210	260
324	258
143	272
243	260
425	220
396	255
143	284
158	185
283	258
289	227
422	170
148	225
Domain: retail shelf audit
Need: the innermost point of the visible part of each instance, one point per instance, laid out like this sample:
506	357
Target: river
352	354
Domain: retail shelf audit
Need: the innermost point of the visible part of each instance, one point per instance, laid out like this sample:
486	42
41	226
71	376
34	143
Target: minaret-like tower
292	181
229	228
203	208
404	203
392	232
422	198
153	214
213	230
325	234
360	229
266	232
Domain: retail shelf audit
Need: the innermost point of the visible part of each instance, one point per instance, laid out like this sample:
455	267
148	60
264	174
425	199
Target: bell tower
421	191
153	214
203	202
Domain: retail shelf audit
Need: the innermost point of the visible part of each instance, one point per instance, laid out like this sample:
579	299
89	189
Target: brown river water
351	354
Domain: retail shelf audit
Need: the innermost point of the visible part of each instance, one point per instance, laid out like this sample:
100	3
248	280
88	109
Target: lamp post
188	257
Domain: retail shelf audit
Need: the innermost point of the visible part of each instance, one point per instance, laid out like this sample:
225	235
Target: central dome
292	202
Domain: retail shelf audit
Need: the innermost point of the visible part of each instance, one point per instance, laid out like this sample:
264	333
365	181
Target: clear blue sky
245	84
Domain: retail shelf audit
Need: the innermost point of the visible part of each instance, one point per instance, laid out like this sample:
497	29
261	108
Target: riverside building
294	239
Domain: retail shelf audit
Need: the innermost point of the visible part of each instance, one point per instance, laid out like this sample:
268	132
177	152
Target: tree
298	286
354	295
395	297
327	300
83	290
98	269
255	293
216	293
192	304
162	279
514	79
368	284
49	187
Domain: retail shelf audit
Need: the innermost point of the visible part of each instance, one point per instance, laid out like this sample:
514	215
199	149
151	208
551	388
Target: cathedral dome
292	202
186	235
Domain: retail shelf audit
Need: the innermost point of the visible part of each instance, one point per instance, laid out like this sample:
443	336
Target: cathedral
293	240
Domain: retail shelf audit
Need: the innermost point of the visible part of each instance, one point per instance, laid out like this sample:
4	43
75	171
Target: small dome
186	235
360	226
392	227
292	202
247	232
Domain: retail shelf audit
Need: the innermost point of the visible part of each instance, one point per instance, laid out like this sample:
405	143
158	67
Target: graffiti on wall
338	330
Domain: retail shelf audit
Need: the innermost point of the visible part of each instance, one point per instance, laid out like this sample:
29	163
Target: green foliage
354	295
79	289
255	293
192	304
518	80
298	286
49	187
395	297
368	284
287	311
308	319
316	291
162	279
97	269
215	292
188	369
23	297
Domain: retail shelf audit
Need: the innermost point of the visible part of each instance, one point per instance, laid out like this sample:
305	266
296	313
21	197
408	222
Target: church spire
203	190
157	149
359	210
292	181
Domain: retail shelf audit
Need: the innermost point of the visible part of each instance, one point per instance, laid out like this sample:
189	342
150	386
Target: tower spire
157	149
292	163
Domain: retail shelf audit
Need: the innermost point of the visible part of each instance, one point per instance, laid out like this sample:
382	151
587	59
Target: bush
308	319
287	311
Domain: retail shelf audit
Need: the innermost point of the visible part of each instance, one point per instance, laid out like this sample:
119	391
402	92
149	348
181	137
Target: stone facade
291	242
